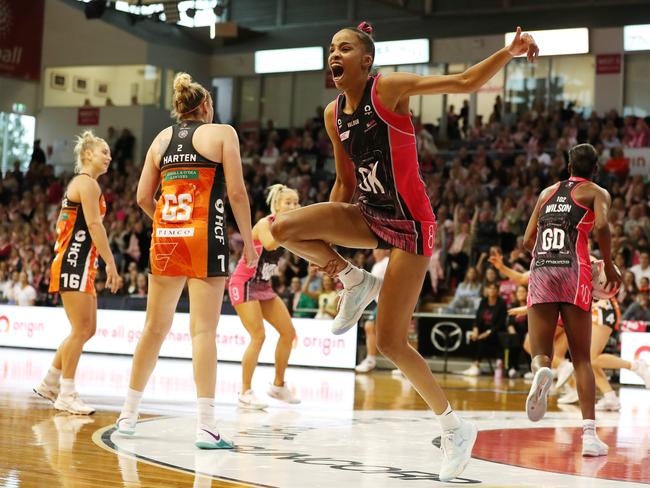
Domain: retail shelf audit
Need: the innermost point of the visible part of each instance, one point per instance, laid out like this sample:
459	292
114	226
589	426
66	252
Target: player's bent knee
258	337
289	335
389	346
281	229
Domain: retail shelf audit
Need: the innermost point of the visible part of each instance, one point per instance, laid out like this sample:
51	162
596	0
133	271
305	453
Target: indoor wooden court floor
42	447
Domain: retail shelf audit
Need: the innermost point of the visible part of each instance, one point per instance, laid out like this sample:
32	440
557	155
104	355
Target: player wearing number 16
194	162
560	282
81	238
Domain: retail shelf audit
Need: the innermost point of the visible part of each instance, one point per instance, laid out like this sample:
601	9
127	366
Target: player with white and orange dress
194	162
81	239
380	200
560	282
252	295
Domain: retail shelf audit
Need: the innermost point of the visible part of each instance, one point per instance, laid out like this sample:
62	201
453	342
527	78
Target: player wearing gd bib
560	282
80	238
190	161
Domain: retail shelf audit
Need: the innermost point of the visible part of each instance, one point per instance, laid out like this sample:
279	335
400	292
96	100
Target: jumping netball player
377	169
194	162
80	238
251	293
560	282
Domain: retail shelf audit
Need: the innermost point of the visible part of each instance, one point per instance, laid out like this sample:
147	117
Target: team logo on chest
369	180
367	110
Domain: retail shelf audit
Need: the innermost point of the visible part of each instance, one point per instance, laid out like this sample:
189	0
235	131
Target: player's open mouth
337	71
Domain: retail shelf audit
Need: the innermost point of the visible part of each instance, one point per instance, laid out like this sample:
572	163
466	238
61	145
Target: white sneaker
354	301
456	446
564	372
473	370
528	376
608	404
640	367
538	396
208	437
249	401
569	398
73	404
47	391
126	423
397	373
283	393
513	373
592	446
366	366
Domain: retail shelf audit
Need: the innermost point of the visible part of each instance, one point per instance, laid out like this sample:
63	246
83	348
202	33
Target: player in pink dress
560	282
379	200
251	293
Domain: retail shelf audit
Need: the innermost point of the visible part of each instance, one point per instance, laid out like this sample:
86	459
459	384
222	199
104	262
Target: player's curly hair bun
366	27
188	96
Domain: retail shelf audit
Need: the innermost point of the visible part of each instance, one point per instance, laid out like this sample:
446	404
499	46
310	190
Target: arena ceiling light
408	51
188	13
289	60
636	37
557	42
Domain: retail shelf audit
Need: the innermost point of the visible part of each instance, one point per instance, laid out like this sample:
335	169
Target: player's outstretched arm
470	80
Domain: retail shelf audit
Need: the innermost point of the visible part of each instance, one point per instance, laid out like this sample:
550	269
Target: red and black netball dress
390	191
560	271
252	284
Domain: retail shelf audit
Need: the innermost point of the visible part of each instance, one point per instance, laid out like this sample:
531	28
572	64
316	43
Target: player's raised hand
524	44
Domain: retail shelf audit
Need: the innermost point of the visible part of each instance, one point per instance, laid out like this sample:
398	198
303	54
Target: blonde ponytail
84	142
188	96
274	194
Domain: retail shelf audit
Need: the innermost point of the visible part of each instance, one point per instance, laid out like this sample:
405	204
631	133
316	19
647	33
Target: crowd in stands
483	180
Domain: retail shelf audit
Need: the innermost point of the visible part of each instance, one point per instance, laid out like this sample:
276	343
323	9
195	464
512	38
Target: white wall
608	88
57	127
69	39
242	64
121	80
465	49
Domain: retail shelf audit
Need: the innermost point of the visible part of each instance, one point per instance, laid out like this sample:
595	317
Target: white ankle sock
448	419
610	395
67	386
52	377
132	402
350	276
372	358
588	428
205	411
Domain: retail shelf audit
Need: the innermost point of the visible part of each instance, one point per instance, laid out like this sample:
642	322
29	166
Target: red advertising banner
87	115
608	64
21	38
